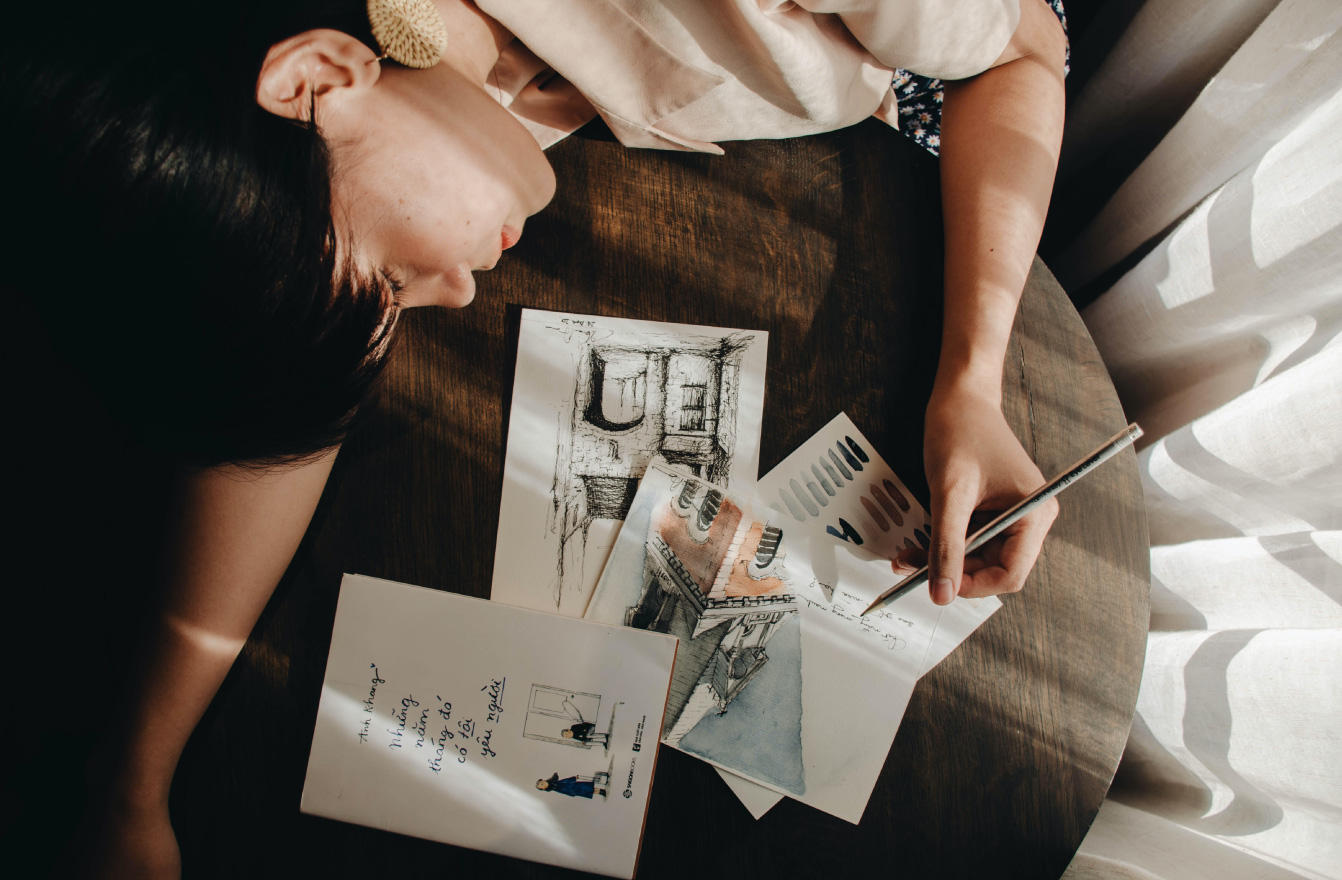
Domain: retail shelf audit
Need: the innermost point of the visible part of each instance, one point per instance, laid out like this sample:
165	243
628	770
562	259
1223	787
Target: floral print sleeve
920	99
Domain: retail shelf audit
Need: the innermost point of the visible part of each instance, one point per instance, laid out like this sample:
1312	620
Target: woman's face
432	180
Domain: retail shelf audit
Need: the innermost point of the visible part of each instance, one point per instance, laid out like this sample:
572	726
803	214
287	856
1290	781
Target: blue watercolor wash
801	496
847	474
848	533
760	733
824	483
833	474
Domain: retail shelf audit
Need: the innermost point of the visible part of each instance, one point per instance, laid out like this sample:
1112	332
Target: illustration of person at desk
576	786
582	730
585	732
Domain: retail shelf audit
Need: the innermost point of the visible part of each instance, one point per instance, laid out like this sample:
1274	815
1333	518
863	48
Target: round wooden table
833	245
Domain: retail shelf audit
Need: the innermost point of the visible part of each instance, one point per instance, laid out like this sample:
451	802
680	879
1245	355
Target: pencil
1105	451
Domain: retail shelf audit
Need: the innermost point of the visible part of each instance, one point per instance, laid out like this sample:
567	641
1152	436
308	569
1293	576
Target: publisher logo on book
638	746
629	783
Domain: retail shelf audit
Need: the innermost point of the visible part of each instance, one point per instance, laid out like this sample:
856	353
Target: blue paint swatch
805	501
824	483
847	474
848	534
848	457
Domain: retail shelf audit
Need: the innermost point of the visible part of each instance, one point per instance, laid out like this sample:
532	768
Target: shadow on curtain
1216	274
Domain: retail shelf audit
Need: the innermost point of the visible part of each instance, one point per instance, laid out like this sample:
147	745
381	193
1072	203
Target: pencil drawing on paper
716	579
636	396
569	718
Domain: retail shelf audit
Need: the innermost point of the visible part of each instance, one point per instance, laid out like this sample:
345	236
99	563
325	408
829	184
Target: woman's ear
314	65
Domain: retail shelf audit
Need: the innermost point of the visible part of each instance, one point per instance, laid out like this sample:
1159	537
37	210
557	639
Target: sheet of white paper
837	480
444	717
776	669
594	399
957	622
757	799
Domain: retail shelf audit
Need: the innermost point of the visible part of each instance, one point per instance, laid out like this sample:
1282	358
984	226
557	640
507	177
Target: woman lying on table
255	206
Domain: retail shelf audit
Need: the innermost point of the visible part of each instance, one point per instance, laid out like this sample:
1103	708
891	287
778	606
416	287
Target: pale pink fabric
686	74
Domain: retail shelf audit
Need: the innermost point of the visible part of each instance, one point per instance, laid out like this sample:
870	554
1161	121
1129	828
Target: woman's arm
235	533
1000	137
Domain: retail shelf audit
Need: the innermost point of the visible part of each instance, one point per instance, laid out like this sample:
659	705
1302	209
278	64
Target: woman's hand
1000	136
976	468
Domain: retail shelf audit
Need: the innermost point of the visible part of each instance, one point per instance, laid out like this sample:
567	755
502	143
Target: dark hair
180	238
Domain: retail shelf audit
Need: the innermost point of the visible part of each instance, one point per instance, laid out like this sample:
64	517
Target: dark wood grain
832	245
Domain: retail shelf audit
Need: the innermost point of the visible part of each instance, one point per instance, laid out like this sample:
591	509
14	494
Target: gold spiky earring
410	32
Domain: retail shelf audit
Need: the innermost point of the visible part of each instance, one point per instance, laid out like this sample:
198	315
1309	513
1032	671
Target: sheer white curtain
1225	342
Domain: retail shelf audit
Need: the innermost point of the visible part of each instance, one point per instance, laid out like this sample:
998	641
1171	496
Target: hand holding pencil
1041	499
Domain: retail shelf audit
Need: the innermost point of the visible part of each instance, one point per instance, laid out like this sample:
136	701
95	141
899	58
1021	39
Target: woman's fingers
946	557
1004	562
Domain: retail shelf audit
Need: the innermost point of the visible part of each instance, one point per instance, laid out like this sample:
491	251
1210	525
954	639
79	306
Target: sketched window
768	548
708	511
692	401
686	497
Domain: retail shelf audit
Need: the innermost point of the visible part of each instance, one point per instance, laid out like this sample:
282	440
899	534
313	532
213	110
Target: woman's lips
509	236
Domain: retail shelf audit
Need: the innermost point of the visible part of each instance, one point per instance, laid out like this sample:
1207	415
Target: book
487	726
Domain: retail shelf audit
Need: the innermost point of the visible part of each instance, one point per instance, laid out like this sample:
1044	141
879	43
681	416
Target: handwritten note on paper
482	725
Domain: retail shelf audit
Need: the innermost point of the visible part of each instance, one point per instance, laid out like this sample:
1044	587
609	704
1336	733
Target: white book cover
486	726
595	399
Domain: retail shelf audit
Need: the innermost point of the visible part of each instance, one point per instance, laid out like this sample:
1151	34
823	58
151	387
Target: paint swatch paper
836	481
776	673
486	726
594	400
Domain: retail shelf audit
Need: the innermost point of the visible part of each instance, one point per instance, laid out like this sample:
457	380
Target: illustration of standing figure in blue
576	786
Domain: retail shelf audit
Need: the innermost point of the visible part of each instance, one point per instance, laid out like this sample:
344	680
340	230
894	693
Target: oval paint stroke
897	495
847	474
816	493
824	483
792	507
857	450
922	538
875	514
887	504
848	457
801	496
833	474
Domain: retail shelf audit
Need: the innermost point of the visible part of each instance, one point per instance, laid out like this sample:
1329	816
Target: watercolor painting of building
714	579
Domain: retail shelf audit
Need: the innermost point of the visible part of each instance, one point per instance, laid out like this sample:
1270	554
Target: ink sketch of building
715	580
632	402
